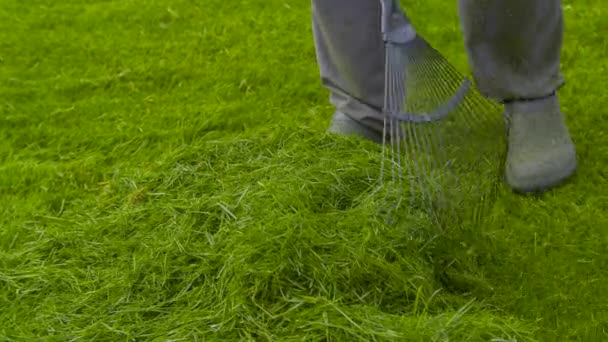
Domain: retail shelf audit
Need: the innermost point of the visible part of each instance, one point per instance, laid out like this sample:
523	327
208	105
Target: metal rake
443	141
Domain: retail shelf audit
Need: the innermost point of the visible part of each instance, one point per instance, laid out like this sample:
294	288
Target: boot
345	125
541	153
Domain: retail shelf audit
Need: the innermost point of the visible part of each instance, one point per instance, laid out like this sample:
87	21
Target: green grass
165	175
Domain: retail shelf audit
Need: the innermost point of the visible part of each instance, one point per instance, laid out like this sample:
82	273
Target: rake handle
387	10
395	35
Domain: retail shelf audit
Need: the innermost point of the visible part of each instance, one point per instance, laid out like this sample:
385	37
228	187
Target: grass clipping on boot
444	142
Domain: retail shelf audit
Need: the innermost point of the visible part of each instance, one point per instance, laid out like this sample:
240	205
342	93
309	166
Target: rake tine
409	167
387	73
426	196
447	177
399	169
392	135
400	98
381	180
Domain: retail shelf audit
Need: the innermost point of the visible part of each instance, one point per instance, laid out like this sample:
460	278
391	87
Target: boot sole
542	184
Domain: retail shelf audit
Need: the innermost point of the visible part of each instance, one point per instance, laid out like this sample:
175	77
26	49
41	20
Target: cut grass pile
165	175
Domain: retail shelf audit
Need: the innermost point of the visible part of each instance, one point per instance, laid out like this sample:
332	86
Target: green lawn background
165	175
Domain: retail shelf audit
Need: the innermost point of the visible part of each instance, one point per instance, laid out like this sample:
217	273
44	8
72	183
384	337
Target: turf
165	175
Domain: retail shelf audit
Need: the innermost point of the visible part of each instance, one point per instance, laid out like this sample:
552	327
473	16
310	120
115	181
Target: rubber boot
345	125
541	152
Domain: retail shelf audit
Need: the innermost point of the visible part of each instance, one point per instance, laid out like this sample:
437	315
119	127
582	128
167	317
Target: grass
165	175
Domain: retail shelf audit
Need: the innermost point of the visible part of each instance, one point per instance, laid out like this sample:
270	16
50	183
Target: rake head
444	142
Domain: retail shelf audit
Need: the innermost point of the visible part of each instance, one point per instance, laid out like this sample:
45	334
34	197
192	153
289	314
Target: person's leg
351	59
514	46
514	49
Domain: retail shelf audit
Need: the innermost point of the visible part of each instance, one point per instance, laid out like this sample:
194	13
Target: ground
165	175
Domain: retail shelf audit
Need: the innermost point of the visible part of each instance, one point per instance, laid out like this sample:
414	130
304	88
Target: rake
443	141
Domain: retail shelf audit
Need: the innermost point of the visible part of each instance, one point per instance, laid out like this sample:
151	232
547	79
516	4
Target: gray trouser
513	47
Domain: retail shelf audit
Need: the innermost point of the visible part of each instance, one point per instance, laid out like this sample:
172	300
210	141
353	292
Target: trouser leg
514	46
351	56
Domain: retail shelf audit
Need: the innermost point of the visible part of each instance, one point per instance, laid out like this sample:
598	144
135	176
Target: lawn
165	175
